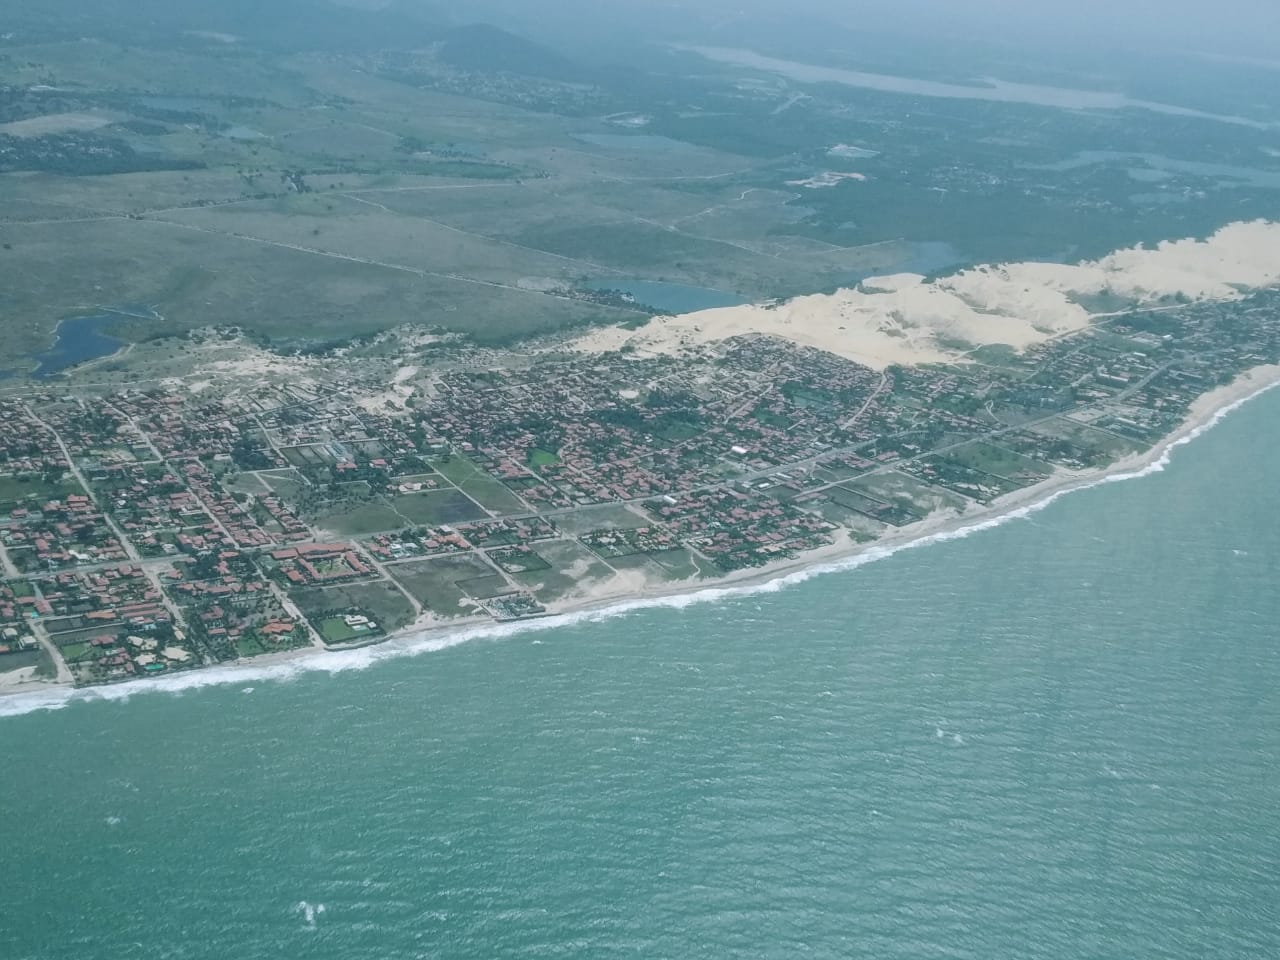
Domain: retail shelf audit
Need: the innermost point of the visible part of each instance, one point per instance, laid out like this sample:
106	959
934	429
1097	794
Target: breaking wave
350	660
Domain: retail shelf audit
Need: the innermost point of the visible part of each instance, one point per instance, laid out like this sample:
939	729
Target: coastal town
166	527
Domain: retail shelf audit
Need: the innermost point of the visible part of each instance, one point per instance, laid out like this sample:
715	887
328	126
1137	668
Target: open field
380	601
435	508
478	485
356	519
435	582
17	489
572	570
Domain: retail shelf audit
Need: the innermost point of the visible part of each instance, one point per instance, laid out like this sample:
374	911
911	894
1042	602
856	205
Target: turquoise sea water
1058	738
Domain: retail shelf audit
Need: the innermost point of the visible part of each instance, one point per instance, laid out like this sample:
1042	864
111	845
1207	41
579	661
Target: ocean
1056	738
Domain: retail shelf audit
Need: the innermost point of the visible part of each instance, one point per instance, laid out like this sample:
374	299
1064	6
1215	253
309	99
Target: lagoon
987	88
77	340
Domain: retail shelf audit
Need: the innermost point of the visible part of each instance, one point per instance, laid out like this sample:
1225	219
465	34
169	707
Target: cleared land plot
478	485
861	526
485	588
919	497
20	210
601	517
435	582
1109	445
435	508
311	454
287	484
895	513
668	566
571	568
248	483
996	460
353	520
380	601
127	192
15	490
23	659
54	123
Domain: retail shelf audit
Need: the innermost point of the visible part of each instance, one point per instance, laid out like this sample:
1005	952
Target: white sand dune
904	319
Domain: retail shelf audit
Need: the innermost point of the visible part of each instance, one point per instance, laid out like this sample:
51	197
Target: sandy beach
617	597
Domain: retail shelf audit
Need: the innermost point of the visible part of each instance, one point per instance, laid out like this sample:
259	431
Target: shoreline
431	634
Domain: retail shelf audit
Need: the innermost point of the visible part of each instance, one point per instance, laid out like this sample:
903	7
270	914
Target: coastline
430	634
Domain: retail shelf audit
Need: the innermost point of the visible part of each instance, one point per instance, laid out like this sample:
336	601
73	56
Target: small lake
986	88
671	297
78	339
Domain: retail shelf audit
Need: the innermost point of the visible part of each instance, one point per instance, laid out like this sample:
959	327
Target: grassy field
435	582
313	190
436	507
478	485
668	566
357	519
907	492
572	566
1109	445
380	601
996	460
383	235
16	489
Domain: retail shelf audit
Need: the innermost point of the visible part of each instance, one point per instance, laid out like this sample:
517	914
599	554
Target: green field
478	485
435	582
435	508
993	459
316	182
18	489
570	567
379	600
335	630
907	492
352	520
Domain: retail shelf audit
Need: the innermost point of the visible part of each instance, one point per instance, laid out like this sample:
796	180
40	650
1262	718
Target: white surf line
335	662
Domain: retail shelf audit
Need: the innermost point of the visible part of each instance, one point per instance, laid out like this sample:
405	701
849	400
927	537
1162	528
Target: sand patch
902	319
397	394
11	680
826	180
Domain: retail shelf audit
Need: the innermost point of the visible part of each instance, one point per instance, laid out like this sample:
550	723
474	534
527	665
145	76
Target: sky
1246	27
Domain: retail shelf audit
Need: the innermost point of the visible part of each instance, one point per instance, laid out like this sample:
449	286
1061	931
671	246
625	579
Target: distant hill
274	24
489	49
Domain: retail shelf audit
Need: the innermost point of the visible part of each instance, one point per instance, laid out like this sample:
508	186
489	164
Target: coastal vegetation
316	185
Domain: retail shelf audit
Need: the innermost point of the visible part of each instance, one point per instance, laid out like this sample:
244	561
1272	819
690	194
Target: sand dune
904	319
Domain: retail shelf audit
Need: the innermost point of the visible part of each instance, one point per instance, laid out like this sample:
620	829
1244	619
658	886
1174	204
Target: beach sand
611	597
